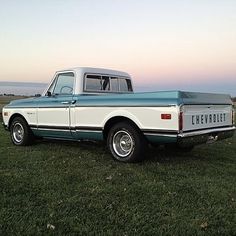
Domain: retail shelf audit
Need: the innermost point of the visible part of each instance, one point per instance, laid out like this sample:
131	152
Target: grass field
75	188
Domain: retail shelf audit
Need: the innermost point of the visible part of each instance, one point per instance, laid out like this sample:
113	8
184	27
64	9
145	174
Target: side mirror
49	94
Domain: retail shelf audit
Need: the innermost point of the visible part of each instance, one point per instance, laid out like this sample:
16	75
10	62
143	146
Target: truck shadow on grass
163	154
159	154
218	152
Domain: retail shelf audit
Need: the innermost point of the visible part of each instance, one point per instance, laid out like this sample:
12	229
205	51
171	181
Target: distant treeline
7	94
13	95
234	99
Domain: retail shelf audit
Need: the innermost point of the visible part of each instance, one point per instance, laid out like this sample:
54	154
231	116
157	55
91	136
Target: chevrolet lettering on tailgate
208	118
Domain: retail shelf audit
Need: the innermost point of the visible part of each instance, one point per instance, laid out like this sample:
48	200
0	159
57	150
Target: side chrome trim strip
45	129
88	131
161	134
67	129
160	131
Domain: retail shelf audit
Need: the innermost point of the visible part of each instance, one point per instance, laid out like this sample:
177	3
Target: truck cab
86	80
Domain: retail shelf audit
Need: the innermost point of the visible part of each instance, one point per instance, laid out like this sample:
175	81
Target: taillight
181	121
166	116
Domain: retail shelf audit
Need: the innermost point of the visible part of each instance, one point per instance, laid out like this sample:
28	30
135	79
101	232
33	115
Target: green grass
75	188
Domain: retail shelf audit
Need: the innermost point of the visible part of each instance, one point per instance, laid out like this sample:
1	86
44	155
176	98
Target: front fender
29	114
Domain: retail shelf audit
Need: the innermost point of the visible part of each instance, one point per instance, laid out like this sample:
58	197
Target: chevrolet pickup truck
99	104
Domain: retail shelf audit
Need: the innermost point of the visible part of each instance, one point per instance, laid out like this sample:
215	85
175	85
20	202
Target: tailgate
197	117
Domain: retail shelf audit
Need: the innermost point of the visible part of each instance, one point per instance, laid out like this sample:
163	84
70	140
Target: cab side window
106	83
114	84
97	83
125	85
64	84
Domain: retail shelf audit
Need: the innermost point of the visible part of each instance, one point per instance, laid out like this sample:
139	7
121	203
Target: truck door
54	108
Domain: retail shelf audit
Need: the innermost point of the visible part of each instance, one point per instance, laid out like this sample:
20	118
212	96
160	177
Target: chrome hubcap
122	143
18	132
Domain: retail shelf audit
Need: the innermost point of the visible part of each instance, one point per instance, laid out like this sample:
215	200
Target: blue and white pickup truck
99	104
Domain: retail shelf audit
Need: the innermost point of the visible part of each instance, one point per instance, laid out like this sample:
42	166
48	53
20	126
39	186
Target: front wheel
21	135
126	143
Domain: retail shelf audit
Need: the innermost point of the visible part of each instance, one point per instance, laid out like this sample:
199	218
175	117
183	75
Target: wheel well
13	117
114	121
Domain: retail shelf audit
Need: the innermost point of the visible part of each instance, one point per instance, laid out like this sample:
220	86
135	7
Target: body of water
18	88
30	89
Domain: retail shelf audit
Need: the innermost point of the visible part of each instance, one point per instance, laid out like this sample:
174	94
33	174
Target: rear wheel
126	143
21	135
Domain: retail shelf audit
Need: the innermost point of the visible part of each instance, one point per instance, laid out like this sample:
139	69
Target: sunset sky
162	44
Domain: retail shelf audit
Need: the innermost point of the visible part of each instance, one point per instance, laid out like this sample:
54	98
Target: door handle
66	102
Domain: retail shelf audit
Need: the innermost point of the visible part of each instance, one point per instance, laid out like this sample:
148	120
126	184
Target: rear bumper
205	136
193	137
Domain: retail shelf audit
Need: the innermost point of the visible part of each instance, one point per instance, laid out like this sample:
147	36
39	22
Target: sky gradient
163	44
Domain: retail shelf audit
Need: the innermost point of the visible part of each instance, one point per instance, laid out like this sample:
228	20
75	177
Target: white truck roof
83	70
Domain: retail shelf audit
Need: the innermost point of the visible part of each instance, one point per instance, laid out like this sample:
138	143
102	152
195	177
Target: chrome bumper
204	136
191	138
